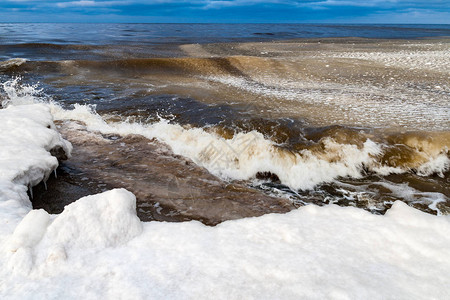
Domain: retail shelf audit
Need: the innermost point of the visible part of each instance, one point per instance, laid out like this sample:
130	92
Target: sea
213	122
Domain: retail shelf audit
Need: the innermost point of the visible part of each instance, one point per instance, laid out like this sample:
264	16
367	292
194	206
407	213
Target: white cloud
90	3
76	3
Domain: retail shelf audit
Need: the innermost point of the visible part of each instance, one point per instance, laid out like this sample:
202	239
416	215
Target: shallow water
218	131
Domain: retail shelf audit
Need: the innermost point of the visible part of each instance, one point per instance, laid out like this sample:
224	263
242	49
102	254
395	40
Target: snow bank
98	221
315	252
27	135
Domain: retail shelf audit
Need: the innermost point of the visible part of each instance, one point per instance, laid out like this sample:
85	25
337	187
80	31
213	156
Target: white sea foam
437	60
249	153
244	155
404	191
19	94
352	103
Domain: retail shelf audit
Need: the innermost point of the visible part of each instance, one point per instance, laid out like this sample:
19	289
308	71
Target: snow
27	135
103	220
30	230
314	252
97	221
98	249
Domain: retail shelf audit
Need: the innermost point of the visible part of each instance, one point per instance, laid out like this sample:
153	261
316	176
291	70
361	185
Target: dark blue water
102	34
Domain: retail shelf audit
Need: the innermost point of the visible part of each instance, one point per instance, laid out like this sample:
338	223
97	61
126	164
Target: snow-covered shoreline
97	248
28	135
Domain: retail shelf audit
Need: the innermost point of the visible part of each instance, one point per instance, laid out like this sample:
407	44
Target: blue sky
245	11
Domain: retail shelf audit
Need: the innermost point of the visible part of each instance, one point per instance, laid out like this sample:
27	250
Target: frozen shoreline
97	247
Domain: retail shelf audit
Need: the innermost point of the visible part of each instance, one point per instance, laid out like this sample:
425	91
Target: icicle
54	171
45	184
30	189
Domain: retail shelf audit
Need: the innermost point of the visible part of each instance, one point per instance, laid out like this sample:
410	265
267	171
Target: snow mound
97	221
30	230
102	220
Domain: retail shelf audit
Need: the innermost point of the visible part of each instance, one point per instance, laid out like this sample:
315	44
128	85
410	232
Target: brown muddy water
215	132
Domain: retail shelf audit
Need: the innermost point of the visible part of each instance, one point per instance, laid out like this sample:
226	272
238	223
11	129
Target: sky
227	11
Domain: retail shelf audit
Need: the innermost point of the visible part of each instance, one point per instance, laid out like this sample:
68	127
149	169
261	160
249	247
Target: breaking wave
320	157
11	63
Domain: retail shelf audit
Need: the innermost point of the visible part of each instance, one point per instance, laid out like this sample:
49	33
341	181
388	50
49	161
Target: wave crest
324	156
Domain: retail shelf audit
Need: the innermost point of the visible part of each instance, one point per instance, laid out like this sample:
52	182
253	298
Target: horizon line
287	23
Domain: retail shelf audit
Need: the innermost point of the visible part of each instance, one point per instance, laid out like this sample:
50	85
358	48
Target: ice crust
97	248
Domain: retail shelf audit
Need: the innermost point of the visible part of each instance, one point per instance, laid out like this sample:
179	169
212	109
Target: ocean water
223	121
100	34
45	40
